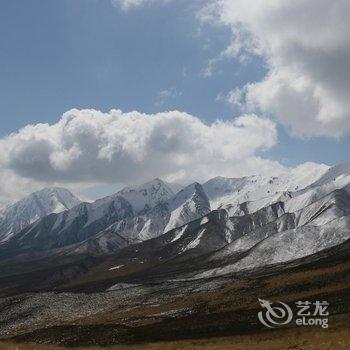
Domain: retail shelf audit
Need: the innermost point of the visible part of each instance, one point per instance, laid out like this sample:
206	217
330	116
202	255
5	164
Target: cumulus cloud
306	45
88	146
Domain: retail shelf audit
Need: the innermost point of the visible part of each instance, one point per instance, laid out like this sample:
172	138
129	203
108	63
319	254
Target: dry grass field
337	337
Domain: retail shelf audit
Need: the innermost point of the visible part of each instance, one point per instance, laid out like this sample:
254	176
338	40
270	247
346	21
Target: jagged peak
147	195
157	182
60	193
188	192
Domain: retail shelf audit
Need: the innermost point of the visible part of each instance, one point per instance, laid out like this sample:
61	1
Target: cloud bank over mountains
94	147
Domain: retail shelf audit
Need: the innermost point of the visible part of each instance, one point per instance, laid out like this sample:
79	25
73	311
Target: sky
99	94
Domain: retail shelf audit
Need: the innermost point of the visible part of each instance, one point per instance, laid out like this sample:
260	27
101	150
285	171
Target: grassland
301	338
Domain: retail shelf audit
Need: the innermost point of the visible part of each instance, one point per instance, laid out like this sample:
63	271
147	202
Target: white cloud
88	146
235	49
13	187
165	95
306	45
126	5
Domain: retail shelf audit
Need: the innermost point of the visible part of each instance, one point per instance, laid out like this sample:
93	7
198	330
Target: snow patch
193	244
116	267
179	234
204	221
120	286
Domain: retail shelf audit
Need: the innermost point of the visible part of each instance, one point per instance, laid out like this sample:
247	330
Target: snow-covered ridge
148	195
189	204
143	212
131	215
261	190
15	217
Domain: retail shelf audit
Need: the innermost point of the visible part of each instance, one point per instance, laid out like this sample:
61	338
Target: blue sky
61	54
65	54
56	55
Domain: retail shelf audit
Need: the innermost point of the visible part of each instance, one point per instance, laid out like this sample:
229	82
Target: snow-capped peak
333	173
55	199
15	217
148	195
264	190
186	194
189	204
221	186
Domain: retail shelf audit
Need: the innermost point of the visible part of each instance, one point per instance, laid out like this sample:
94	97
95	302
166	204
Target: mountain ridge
139	213
16	216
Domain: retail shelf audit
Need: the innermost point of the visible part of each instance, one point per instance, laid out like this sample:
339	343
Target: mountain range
245	222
